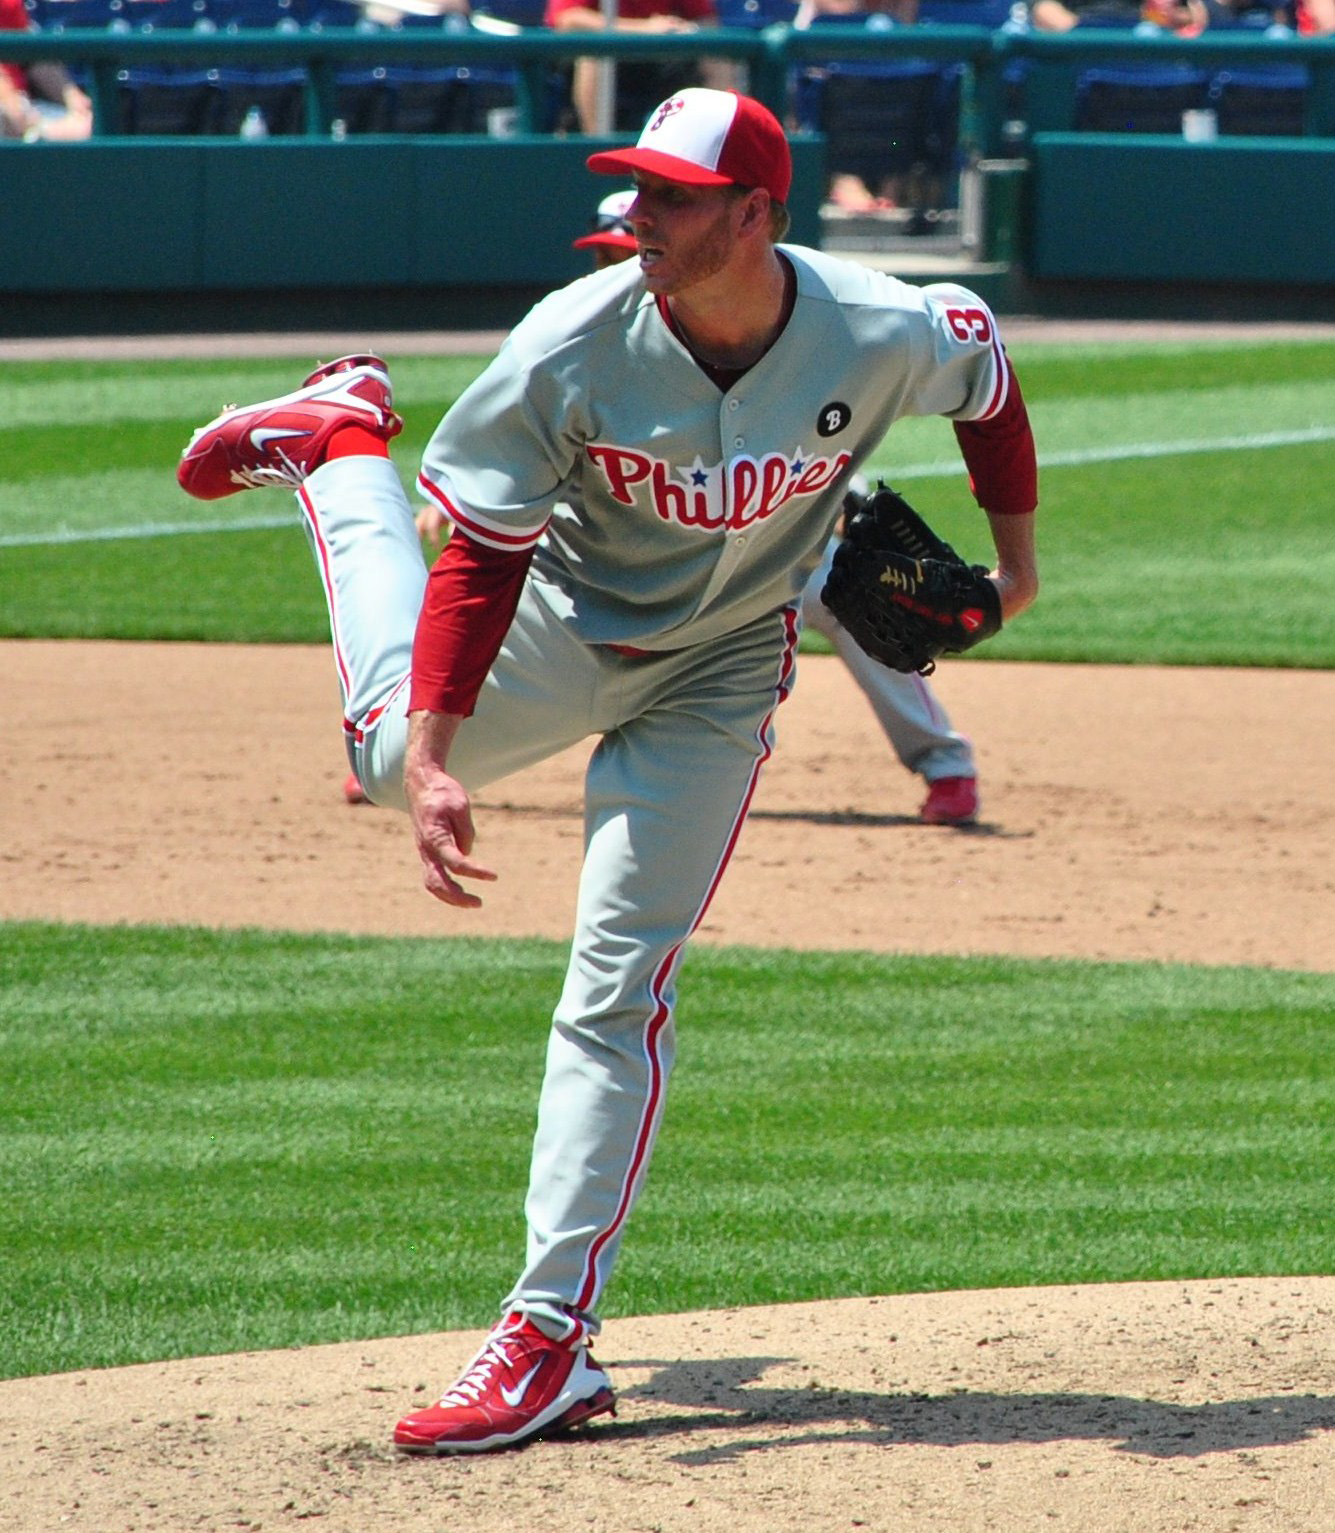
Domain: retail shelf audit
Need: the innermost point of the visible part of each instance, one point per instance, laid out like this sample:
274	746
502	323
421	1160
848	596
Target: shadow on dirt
727	1394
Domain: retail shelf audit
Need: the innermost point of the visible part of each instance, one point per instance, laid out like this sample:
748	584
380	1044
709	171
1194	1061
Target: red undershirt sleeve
471	596
999	454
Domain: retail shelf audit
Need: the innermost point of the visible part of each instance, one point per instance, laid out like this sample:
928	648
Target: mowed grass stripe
40	395
1190	558
46	497
54	505
219	1141
80	393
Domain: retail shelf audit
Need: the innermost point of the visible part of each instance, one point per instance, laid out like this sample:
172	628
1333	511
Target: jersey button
739	441
734	404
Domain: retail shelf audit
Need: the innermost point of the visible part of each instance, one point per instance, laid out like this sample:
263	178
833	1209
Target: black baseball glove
904	593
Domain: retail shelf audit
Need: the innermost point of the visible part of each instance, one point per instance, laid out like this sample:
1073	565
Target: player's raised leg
278	442
327	441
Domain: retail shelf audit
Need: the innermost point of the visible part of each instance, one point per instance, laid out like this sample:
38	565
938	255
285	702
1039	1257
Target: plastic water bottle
253	124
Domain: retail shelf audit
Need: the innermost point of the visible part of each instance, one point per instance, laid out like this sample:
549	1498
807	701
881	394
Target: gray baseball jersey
665	512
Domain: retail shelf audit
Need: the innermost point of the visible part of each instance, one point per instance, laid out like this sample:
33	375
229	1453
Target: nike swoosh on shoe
513	1396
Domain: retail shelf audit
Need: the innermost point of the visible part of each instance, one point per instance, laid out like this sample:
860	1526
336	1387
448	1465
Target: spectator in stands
1314	18
848	189
641	84
898	12
39	100
1183	17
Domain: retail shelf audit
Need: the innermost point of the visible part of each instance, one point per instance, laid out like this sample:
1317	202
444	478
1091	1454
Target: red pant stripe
653	1106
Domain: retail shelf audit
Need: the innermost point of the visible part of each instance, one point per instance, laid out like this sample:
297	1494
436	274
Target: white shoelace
289	476
476	1381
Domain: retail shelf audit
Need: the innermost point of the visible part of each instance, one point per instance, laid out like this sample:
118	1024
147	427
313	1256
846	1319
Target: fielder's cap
610	229
708	138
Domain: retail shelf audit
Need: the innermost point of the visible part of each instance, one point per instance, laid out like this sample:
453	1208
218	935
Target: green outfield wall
1125	207
205	215
459	231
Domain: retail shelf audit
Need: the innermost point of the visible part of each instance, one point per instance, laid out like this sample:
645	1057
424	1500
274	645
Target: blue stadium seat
751	15
446	98
254	15
413	98
167	15
164	99
1138	98
519	13
1265	102
324	15
363	101
70	15
886	118
166	102
965	13
277	91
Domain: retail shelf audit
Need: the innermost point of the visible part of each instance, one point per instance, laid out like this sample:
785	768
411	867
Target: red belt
630	651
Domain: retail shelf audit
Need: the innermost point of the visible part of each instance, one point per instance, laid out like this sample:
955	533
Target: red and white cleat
521	1385
280	441
950	801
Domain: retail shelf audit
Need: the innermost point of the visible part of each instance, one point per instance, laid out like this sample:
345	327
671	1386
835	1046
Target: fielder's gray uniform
680	523
905	706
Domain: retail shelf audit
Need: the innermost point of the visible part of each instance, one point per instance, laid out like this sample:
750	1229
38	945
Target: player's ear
755	212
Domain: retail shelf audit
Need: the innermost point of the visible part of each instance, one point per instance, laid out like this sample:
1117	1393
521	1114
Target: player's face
687	234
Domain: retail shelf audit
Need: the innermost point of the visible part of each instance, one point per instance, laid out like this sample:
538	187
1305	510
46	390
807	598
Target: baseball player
909	712
906	707
640	484
611	240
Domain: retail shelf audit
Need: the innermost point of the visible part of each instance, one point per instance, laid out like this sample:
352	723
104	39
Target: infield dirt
1127	813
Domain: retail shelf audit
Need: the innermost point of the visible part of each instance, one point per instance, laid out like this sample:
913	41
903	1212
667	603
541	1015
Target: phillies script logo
728	495
668	109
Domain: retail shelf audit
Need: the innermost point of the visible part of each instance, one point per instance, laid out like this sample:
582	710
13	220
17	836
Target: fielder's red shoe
353	792
280	441
950	801
520	1386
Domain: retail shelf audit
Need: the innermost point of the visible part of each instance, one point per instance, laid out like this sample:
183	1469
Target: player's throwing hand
441	814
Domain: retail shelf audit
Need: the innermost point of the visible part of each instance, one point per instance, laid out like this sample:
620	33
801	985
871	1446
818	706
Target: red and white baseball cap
610	229
708	138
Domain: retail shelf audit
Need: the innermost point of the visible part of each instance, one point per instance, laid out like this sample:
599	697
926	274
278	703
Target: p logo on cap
708	138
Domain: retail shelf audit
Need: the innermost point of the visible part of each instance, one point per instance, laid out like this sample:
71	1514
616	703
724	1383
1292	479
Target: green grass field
1186	503
227	1141
219	1141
